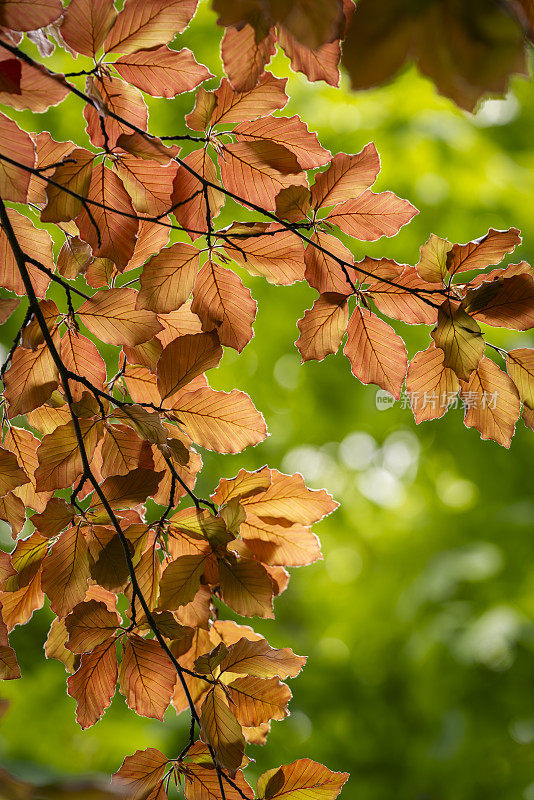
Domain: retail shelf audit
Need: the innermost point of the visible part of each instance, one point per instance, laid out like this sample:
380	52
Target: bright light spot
491	637
333	650
357	450
456	493
522	730
287	371
380	486
301	726
309	461
497	112
343	565
400	453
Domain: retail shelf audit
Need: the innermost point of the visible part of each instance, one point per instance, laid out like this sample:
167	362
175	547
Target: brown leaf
93	684
37	245
86	24
74	176
258	700
89	625
184	359
246	587
460	338
224	304
189	198
303	779
148	23
66	571
220	729
60	461
167	278
371	216
244	58
112	316
146	677
430	385
277	256
322	327
121	98
376	353
18	146
520	367
480	253
162	72
141	773
492	402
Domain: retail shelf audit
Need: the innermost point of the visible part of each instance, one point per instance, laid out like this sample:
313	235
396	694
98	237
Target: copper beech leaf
147	23
24	15
93	683
346	177
86	24
432	265
258	659
244	58
162	72
60	460
10	75
289	498
289	132
189	194
460	338
220	421
168	277
9	668
38	90
223	304
201	783
221	730
37	245
123	100
520	368
24	445
376	353
112	316
266	96
180	581
278	256
480	253
11	474
140	773
371	216
302	780
186	358
74	178
492	402
430	385
258	700
319	64
323	326
277	543
18	146
247	587
66	571
149	185
89	625
146	677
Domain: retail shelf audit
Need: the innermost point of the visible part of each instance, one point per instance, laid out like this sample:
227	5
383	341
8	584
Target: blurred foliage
418	622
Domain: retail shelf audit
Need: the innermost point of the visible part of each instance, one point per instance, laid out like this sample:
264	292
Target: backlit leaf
290	132
147	23
371	216
18	146
258	659
460	338
184	359
247	588
80	355
89	625
140	773
322	327
492	402
277	256
244	58
25	15
221	730
376	353
37	244
189	198
86	24
323	271
74	176
180	581
30	380
93	684
520	367
258	700
66	571
480	253
430	385
113	317
432	265
301	780
266	96
289	498
146	677
346	178
60	461
11	475
167	278
162	72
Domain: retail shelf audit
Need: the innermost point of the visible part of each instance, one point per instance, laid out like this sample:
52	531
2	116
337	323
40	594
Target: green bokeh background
418	622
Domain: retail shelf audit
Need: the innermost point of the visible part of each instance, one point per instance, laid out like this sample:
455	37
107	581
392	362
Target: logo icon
384	400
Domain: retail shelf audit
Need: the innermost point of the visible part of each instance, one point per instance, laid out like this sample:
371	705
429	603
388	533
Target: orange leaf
289	132
38	91
288	497
37	245
258	700
89	625
18	606
54	646
25	15
123	451
112	316
480	253
277	256
167	278
245	164
376	353
301	780
117	230
30	380
201	783
146	677
80	355
258	659
180	581
147	23
11	475
346	178
406	299
24	445
66	571
317	65
520	367
492	402
9	668
244	484
93	684
430	385
247	588
184	359
225	422
189	201
224	304
266	96
244	58
56	516
86	23
323	272
222	731
13	512
60	461
162	72
278	544
322	327
432	265
74	177
371	216
17	145
115	95
140	774
505	303
149	185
